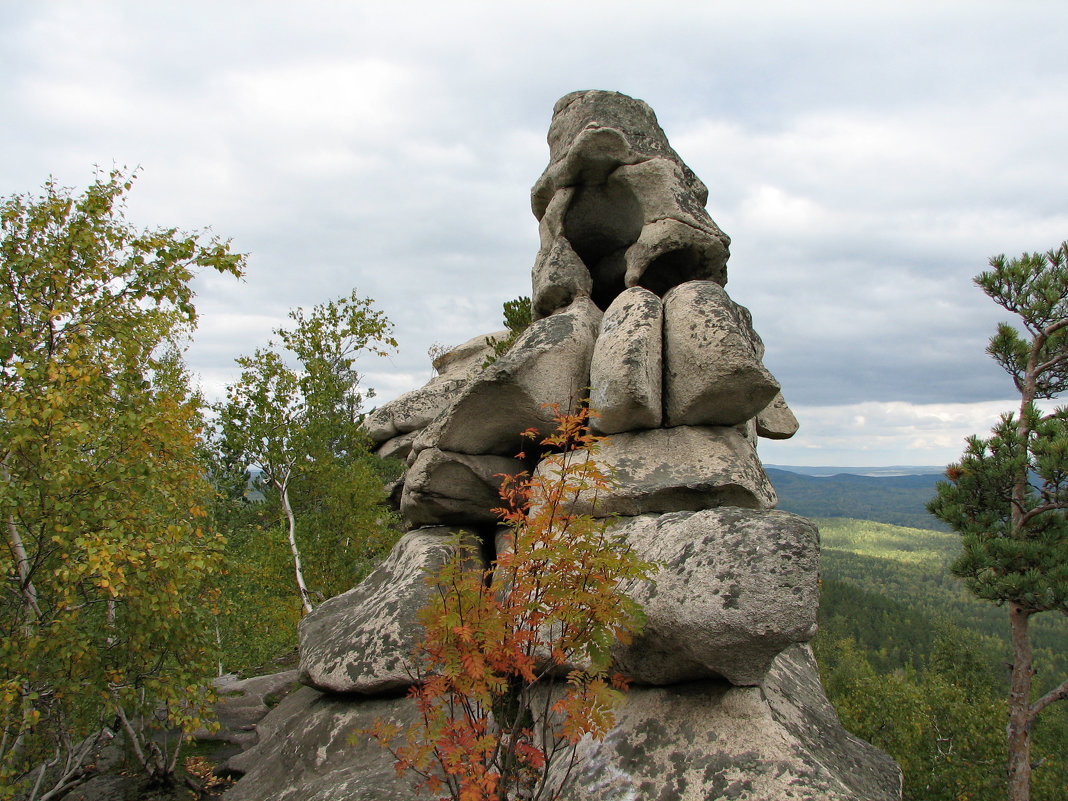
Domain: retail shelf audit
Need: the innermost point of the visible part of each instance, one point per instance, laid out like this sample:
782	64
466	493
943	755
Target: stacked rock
629	309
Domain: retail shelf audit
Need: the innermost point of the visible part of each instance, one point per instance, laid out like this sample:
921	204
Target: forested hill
898	500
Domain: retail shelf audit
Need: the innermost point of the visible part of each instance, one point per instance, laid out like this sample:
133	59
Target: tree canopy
107	595
298	421
1008	494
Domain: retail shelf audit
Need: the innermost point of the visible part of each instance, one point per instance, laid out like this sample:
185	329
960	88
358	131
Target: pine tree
1008	494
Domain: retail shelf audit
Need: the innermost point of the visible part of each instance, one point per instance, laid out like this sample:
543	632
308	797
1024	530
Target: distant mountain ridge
896	499
875	472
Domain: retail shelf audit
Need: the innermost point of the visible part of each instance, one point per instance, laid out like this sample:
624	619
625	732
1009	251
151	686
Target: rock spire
629	307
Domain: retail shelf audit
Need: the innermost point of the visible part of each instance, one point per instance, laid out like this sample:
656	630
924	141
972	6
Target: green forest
918	666
900	500
913	661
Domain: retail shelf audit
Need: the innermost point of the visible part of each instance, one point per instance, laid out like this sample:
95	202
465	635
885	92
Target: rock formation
629	308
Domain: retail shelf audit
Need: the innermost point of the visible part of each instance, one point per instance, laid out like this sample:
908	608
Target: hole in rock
670	269
601	222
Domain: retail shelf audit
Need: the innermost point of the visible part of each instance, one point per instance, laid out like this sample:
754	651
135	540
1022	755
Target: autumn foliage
109	572
514	667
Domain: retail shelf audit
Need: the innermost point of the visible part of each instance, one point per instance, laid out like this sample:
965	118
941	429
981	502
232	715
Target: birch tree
300	418
108	570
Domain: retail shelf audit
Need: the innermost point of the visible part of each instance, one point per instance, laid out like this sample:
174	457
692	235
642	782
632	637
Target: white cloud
874	433
360	99
866	160
772	209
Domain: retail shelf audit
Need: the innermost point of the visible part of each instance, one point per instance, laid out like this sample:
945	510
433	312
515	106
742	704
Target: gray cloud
866	162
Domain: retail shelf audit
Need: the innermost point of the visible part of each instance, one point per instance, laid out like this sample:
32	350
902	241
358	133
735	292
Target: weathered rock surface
625	374
305	753
686	468
617	196
670	252
414	410
460	488
710	740
549	363
397	447
776	421
242	704
735	587
689	742
466	358
712	369
360	641
559	275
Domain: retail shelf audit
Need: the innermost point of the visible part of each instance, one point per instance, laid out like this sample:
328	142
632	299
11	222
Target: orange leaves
494	715
473	664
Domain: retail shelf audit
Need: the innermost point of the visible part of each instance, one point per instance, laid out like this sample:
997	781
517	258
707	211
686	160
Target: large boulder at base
776	421
625	374
735	587
360	641
549	363
713	374
709	740
691	742
679	469
454	488
306	752
798	702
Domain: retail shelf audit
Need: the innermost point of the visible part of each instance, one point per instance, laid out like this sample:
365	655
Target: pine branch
1054	695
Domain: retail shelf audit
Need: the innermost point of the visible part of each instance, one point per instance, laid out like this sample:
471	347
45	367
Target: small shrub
495	715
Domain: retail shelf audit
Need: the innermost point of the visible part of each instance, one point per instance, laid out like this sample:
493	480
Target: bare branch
1054	695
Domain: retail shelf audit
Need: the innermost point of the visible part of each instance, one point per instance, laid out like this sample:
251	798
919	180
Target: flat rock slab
413	410
454	488
735	588
242	704
679	469
360	641
466	358
549	363
709	740
397	447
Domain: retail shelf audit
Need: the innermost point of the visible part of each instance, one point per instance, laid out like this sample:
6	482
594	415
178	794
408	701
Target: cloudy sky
865	158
